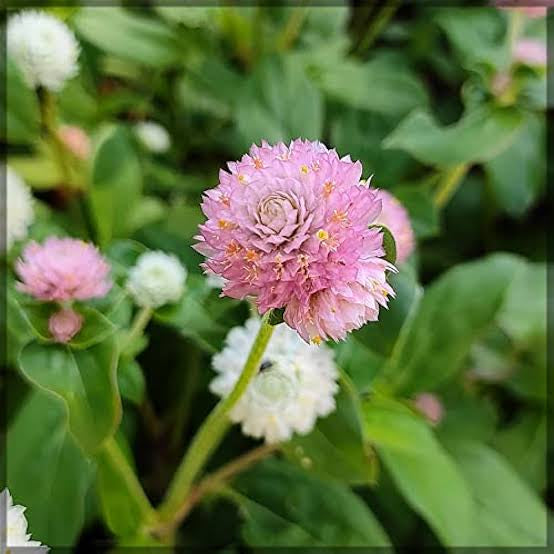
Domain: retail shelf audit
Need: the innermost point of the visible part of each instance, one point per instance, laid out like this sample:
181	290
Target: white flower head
43	47
153	136
16	524
296	383
19	208
156	279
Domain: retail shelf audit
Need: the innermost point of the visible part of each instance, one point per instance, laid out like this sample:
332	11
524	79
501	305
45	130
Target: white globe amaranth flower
153	136
16	524
19	208
296	384
43	47
156	279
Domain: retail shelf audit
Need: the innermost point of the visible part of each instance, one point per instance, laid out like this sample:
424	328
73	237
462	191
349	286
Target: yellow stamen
304	169
258	164
328	188
316	340
322	235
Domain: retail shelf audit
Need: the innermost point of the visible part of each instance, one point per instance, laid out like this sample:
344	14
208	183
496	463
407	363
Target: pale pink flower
65	324
396	219
430	406
63	269
529	11
76	140
288	225
530	51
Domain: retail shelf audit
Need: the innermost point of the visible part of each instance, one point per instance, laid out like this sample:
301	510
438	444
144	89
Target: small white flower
156	279
19	208
153	136
16	531
43	47
296	383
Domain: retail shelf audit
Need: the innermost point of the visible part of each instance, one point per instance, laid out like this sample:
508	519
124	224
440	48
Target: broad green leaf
116	184
336	447
524	444
46	471
453	313
477	34
19	106
422	470
508	512
278	103
285	506
118	31
518	174
477	137
85	380
383	85
130	381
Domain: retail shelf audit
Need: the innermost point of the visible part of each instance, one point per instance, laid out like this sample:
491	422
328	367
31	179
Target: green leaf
379	86
518	174
46	471
453	313
20	106
508	512
285	506
336	447
425	474
389	244
85	380
131	382
278	103
477	137
118	31
116	184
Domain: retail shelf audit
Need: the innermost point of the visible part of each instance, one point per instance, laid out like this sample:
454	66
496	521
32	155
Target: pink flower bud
430	406
530	52
76	140
64	325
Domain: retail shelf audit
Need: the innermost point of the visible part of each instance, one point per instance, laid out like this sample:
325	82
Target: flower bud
64	325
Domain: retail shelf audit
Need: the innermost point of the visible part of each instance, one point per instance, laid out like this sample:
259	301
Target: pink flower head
530	52
396	219
529	11
63	269
430	406
64	325
289	226
76	140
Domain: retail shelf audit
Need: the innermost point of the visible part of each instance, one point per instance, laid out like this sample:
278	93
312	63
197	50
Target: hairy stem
139	324
213	429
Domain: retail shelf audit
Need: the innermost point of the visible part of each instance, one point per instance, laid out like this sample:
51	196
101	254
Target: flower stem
213	429
377	25
211	483
139	324
292	27
449	183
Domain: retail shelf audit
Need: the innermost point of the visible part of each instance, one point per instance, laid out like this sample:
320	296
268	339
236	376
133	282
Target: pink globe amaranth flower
64	325
430	406
395	218
63	269
529	11
530	52
76	140
288	225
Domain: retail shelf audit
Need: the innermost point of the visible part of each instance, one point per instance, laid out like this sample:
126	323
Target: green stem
377	25
212	483
292	27
214	427
139	324
112	455
449	183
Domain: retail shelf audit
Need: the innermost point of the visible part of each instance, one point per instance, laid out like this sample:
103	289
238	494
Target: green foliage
283	505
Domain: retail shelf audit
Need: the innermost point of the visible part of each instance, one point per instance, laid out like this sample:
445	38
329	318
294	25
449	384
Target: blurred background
444	106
